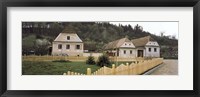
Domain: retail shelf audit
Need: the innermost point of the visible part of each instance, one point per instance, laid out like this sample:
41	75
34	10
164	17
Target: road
169	67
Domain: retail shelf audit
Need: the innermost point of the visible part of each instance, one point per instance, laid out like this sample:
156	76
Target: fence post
128	68
104	70
138	68
101	70
88	71
97	72
113	69
122	69
68	72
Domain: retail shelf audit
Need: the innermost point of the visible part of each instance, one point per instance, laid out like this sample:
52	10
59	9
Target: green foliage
28	44
28	41
36	44
103	61
90	60
169	52
39	37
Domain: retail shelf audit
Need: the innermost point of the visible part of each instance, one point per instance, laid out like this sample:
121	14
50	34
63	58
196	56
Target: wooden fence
134	68
72	58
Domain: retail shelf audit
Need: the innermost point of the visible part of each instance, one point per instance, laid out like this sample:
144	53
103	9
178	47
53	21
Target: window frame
67	46
59	46
149	49
68	37
77	46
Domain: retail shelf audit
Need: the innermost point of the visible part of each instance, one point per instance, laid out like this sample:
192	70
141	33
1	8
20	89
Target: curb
152	70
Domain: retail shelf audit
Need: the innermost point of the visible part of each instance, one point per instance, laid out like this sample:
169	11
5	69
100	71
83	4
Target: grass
56	68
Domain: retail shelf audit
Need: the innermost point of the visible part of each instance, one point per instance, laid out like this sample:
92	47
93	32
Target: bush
90	60
103	61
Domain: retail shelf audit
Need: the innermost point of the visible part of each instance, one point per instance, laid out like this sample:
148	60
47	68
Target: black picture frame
98	3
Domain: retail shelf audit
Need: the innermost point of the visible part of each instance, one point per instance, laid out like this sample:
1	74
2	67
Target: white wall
121	53
71	52
92	54
152	53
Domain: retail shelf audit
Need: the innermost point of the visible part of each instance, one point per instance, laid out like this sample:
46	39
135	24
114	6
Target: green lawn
55	68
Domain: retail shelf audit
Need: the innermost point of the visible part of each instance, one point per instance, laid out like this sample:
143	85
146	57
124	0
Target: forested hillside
38	36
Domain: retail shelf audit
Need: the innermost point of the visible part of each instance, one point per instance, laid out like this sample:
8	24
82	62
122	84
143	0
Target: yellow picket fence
134	68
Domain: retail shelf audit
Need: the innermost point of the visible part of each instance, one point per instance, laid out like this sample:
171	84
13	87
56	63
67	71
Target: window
59	46
125	43
124	51
67	46
130	51
149	49
68	37
77	46
155	50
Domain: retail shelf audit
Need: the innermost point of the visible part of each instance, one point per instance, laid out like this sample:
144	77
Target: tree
103	60
90	60
41	46
138	28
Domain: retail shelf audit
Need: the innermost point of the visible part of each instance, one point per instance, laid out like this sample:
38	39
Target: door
140	53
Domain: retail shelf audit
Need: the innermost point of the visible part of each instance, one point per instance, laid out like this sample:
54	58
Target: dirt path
169	67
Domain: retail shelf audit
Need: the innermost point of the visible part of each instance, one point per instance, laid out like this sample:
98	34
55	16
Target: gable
128	44
62	37
152	43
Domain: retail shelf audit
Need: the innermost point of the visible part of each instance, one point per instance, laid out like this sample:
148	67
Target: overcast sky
169	28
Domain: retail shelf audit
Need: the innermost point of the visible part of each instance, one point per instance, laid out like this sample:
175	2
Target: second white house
140	47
